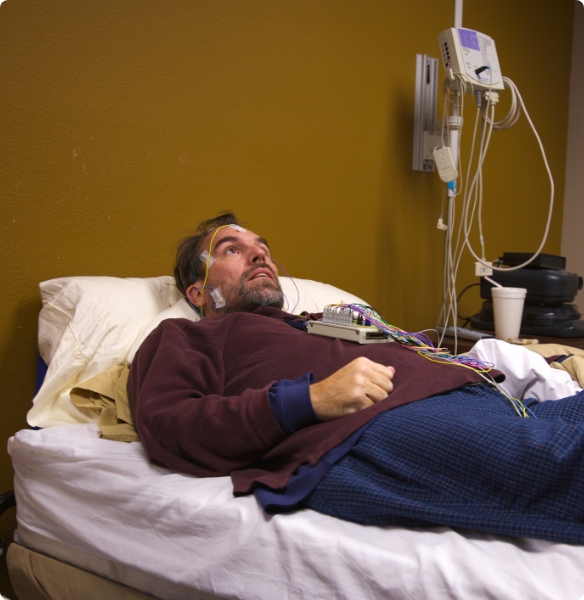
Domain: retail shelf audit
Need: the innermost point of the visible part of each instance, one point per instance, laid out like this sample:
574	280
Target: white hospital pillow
88	324
312	296
180	310
299	295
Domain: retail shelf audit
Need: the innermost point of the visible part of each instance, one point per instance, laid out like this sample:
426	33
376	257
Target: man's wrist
291	405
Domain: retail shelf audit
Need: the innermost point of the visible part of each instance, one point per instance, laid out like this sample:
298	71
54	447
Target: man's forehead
231	233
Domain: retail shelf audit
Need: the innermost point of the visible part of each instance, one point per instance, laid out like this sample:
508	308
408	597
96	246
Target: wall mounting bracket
425	138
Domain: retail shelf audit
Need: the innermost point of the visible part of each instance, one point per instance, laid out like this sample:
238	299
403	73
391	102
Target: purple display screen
469	39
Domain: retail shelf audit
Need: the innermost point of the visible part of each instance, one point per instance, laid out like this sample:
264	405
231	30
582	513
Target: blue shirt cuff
290	403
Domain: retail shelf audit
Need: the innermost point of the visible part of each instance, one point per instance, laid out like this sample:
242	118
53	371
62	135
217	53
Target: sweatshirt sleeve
184	421
291	405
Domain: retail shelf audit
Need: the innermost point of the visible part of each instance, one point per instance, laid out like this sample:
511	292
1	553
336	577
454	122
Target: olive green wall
125	122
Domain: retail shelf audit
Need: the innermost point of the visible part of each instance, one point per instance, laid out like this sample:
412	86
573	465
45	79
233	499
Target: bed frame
438	564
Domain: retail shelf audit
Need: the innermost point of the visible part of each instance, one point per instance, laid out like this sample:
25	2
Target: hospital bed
97	520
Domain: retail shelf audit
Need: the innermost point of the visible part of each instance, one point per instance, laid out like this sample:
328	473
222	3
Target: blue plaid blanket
467	460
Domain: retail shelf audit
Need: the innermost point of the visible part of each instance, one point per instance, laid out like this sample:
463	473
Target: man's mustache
257	266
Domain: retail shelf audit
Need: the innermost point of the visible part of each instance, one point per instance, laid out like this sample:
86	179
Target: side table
466	345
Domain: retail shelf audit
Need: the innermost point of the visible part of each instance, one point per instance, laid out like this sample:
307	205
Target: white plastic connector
482	270
442	126
455	122
441	225
491	97
445	164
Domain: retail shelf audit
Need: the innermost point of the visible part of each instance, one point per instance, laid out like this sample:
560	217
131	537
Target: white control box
445	164
473	55
352	333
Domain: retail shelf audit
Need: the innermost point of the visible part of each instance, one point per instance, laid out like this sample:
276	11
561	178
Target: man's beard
242	298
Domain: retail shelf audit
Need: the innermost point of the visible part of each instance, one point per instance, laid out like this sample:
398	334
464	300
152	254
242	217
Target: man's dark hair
188	269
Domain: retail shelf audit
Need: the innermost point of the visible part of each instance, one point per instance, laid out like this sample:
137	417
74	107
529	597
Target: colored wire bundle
421	344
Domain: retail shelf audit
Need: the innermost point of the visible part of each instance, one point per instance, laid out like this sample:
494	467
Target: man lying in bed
371	433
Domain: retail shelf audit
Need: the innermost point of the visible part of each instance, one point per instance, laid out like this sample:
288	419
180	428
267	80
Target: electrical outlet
482	270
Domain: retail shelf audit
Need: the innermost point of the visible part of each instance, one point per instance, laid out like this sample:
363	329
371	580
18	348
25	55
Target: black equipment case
550	289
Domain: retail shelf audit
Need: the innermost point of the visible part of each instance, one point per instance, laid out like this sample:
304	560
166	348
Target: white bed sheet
81	498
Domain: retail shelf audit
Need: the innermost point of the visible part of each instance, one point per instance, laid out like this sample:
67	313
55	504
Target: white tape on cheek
218	298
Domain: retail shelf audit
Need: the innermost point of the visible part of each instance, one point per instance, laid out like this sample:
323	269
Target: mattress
102	506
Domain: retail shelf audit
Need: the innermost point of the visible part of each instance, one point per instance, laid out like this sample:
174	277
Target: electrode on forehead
218	298
237	228
209	260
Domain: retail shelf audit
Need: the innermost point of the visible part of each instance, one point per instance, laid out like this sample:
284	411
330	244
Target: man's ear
194	295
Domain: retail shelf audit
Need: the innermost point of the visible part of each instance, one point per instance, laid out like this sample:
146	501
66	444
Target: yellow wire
207	266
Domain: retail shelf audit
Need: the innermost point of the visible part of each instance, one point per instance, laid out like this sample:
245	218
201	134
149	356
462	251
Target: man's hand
357	385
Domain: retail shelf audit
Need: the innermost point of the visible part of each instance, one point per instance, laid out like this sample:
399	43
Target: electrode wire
293	282
419	342
207	264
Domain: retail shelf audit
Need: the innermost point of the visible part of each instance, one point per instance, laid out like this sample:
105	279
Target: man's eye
231	250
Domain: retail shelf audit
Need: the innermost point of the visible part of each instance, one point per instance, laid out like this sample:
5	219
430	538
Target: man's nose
258	255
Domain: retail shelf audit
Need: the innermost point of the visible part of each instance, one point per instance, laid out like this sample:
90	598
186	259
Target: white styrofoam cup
508	309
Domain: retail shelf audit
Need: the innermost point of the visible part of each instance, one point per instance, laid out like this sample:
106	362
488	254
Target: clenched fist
357	385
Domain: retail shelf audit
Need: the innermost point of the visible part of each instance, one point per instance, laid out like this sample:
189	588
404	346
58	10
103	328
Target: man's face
242	271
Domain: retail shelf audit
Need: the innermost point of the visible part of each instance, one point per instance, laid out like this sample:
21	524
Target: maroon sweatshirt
199	394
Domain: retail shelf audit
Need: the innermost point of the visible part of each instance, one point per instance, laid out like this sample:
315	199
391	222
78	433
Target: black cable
465	319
